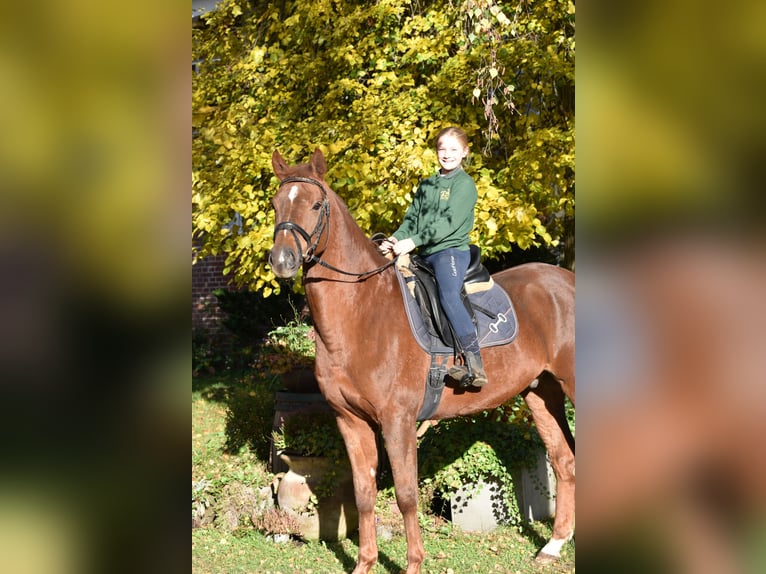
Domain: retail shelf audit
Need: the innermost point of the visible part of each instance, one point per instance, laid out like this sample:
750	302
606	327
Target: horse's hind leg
362	449
547	402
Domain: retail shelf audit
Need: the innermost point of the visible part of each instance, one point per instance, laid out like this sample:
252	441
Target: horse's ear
279	165
318	163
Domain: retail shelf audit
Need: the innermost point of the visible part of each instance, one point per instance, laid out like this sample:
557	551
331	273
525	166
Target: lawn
228	476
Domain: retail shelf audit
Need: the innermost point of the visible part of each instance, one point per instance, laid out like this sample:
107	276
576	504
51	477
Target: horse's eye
316	206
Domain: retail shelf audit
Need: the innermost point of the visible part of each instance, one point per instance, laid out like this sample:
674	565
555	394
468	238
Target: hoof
545	558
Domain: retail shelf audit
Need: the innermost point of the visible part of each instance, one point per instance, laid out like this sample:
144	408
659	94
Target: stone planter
479	507
300	380
286	405
535	489
321	518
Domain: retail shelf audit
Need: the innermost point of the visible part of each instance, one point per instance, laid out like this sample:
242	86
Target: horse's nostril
284	262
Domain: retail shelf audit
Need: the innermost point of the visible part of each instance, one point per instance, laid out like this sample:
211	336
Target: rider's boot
473	360
471	372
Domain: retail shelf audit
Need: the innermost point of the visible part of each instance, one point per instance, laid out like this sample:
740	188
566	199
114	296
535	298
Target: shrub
250	416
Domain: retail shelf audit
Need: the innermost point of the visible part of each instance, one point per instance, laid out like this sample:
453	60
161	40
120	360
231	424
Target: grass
223	483
503	551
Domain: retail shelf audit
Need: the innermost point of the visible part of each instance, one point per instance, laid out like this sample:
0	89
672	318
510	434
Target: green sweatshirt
441	213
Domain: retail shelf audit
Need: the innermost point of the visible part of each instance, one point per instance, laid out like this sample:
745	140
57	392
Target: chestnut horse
372	371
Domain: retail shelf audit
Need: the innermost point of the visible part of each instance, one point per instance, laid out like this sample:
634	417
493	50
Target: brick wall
207	275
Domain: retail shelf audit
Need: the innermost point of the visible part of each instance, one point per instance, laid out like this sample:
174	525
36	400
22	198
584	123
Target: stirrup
463	374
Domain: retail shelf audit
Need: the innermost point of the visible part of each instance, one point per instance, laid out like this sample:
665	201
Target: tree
371	84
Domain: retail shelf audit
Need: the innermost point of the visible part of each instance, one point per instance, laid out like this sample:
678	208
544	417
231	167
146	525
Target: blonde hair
457	133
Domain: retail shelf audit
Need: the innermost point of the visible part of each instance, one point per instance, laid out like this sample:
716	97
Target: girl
438	223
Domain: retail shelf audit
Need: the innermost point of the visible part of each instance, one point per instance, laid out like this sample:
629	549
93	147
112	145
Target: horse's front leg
362	449
401	445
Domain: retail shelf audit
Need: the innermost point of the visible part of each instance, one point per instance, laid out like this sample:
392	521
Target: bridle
312	239
295	229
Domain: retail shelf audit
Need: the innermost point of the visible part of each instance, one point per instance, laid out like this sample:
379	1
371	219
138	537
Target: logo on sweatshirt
444	194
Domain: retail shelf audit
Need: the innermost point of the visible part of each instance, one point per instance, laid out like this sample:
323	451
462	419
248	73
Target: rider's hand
404	246
387	245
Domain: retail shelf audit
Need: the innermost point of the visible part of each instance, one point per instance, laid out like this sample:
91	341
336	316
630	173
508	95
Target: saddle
422	284
487	303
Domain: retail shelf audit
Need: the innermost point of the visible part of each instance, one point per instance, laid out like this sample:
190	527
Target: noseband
295	229
309	256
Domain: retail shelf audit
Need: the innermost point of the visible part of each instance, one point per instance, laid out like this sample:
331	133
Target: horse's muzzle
284	262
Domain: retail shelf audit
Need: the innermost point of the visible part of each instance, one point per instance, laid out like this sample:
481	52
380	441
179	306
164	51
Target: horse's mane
356	233
338	207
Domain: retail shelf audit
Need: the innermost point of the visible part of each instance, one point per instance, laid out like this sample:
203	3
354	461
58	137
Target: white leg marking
554	546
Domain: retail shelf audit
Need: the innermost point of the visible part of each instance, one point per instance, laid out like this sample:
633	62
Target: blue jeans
450	266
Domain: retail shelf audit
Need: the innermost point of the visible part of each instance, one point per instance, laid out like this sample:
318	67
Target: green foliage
287	347
222	479
483	447
295	339
315	434
311	434
448	548
207	356
249	316
251	400
371	84
250	416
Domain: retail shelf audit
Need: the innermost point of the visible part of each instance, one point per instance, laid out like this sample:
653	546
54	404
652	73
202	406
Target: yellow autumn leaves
370	85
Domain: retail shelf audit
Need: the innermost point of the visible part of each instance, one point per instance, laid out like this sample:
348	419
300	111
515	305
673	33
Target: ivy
487	447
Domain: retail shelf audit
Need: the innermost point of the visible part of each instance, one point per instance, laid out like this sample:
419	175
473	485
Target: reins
323	221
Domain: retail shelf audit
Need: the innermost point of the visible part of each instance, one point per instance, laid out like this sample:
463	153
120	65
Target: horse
371	370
